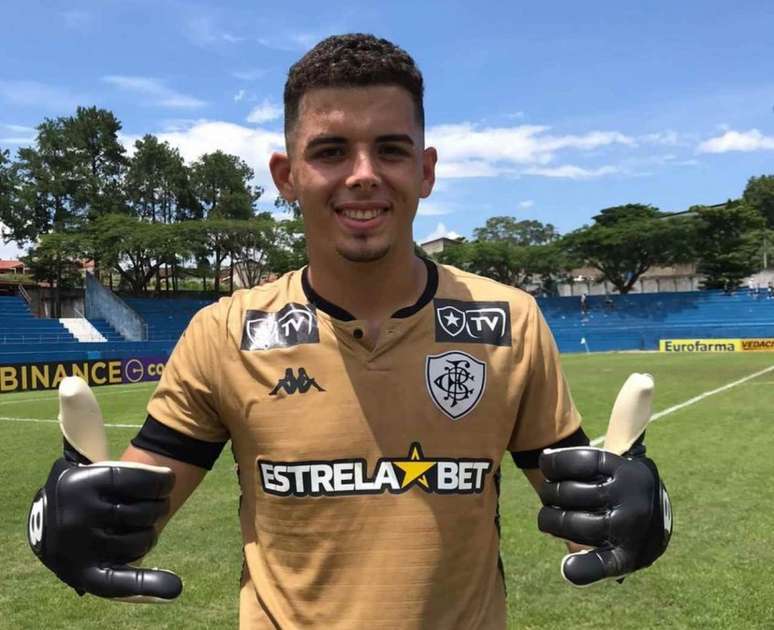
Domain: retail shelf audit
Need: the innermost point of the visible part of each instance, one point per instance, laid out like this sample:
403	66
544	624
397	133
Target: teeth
362	215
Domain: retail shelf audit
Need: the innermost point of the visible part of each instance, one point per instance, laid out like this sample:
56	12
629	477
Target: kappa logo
455	381
473	322
292	383
396	475
292	325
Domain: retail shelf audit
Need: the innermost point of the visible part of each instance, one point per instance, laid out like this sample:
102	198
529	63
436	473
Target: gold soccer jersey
370	476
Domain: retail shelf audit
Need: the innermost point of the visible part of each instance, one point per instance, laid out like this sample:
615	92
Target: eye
329	153
393	150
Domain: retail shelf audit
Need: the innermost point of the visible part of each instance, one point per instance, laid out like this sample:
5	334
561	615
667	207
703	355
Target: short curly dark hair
352	60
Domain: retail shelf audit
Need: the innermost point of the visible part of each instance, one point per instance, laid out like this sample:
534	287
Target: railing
10	339
104	304
25	295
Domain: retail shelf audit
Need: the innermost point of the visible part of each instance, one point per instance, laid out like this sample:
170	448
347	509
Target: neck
372	291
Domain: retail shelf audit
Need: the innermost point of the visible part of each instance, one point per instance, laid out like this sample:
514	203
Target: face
357	166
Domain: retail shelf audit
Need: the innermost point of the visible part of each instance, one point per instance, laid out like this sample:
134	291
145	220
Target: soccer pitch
716	456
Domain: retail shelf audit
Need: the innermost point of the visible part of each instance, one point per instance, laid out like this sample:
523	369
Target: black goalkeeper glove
618	505
91	520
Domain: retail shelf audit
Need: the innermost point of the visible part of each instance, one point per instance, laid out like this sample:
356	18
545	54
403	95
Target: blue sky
549	110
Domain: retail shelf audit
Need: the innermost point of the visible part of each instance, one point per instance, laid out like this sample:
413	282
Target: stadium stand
107	331
639	321
617	322
166	318
27	339
20	327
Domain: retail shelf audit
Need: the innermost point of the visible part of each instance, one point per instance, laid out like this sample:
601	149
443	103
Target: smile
362	214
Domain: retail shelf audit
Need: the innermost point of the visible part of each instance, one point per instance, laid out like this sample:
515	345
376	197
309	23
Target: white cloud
239	96
253	145
469	168
527	203
250	74
155	90
17	128
468	150
667	138
264	112
17	140
296	41
202	30
440	231
752	140
430	208
26	134
570	171
36	94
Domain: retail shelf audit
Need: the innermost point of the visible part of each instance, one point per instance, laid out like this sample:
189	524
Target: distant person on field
584	303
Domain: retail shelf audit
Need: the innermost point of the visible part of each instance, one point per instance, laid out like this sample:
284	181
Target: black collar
339	313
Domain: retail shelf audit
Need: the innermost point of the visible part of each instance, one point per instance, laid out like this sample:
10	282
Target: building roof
444	239
11	264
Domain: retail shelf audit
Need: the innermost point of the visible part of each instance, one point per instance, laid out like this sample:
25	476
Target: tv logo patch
292	325
473	322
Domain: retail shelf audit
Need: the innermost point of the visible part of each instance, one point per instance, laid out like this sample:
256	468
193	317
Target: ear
429	159
279	165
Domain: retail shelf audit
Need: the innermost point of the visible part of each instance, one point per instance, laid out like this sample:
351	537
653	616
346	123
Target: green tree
497	259
221	185
55	259
135	248
8	185
727	243
47	186
525	232
157	189
759	193
283	205
625	241
252	243
516	253
288	249
99	160
157	183
72	173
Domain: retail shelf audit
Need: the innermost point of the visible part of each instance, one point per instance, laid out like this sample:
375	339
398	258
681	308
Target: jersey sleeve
187	397
546	414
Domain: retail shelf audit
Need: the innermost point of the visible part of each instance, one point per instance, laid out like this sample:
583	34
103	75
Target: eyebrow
392	137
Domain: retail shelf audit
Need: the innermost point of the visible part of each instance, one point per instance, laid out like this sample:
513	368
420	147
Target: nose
364	175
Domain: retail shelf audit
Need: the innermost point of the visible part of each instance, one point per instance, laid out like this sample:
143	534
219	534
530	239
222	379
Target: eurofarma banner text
20	377
716	345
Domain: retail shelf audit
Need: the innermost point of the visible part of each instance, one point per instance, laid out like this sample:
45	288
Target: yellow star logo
415	467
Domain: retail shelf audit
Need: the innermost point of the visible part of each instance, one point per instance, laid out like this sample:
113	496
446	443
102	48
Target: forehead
356	113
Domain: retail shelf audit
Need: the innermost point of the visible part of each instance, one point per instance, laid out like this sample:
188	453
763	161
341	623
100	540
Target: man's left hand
616	504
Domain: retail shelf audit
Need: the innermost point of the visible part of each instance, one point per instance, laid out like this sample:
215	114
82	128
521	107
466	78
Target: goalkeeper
369	398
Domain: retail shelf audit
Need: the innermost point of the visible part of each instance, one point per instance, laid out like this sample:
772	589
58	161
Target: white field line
48	421
598	440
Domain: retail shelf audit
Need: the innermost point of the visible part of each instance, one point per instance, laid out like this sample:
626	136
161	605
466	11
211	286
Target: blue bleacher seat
639	321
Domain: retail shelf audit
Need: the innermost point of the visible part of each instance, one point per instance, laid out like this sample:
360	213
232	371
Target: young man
369	397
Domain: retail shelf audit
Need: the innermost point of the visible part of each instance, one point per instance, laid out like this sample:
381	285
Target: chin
364	253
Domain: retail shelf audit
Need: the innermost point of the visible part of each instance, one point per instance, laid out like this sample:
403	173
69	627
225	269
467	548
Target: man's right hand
89	521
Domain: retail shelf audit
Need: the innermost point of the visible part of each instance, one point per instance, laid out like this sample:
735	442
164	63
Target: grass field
717	457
